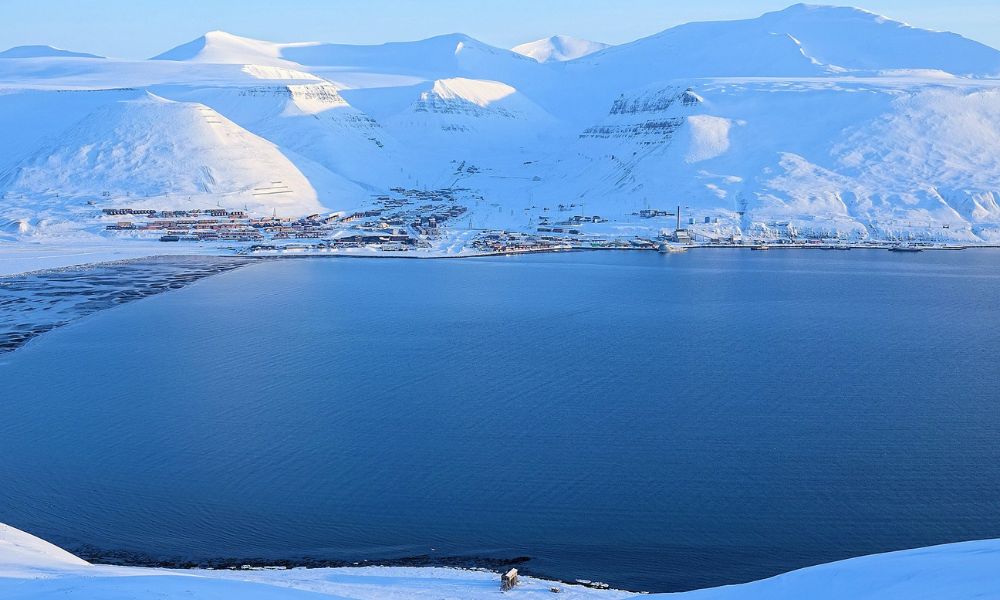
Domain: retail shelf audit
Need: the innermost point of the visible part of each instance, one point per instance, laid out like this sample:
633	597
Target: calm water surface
656	422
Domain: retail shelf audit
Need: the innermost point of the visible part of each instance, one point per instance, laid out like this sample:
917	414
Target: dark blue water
657	422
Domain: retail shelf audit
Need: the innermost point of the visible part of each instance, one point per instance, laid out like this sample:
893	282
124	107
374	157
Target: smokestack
678	217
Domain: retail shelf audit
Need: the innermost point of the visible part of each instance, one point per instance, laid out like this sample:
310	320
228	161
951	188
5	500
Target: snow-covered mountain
856	39
559	48
220	47
824	120
43	52
857	158
800	41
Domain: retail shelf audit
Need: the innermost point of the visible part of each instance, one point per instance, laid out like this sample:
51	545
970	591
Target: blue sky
142	28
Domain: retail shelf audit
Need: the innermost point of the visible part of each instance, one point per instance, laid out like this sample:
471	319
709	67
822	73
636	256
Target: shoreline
419	561
32	566
417	255
157	273
414	256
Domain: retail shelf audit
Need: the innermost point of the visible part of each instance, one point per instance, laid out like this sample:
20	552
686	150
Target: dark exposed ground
495	564
133	559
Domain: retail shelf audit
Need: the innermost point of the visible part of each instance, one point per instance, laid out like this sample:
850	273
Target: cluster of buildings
190	225
220	224
408	218
650	213
569	226
512	242
387	241
439	207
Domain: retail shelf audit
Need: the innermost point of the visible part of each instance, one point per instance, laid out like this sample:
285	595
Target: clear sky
142	28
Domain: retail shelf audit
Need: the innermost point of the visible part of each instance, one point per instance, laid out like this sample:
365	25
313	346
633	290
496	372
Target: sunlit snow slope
833	122
149	147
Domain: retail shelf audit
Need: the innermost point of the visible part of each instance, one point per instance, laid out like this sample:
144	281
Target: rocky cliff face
321	100
649	118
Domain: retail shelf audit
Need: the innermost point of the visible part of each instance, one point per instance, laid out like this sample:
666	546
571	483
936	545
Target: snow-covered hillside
149	149
314	126
31	568
810	122
486	109
559	48
854	157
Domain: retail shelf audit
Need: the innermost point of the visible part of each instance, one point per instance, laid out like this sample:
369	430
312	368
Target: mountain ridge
43	51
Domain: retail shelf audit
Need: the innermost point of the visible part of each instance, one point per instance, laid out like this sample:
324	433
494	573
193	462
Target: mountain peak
559	48
827	11
222	47
858	39
220	34
802	40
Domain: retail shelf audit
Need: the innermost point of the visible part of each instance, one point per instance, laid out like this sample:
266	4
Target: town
410	220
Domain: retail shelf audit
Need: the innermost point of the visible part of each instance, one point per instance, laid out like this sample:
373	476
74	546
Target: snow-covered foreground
31	568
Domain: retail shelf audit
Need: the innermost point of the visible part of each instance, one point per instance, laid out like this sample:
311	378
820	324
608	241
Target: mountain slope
311	120
32	118
43	52
888	159
453	55
712	49
220	47
801	40
559	48
473	97
476	111
857	39
177	151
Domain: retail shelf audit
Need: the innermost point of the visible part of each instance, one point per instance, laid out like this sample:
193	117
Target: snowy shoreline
61	261
31	568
